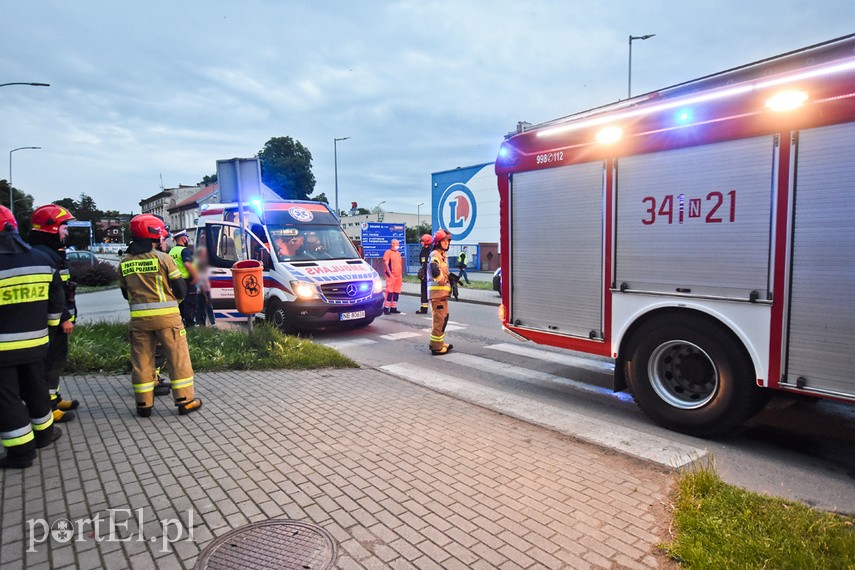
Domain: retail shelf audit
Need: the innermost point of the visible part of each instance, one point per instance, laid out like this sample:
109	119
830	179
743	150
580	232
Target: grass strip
722	526
104	348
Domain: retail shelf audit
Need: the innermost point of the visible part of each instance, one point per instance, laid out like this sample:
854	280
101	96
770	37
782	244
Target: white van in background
313	275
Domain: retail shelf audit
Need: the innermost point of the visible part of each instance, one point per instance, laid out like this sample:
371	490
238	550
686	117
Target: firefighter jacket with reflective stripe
179	256
145	277
439	285
59	263
30	290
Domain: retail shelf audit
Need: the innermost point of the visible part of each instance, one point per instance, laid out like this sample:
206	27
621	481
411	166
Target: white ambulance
313	275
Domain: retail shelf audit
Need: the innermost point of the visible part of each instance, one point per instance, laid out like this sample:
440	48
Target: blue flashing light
684	116
364	286
503	152
256	203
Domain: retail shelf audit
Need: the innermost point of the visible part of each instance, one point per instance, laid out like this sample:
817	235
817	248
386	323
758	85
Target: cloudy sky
144	91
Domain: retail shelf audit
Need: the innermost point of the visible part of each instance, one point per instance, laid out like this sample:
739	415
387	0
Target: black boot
55	434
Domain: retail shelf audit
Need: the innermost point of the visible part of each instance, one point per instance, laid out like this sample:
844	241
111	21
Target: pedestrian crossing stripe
338	345
587	363
531	376
450	328
400	335
579	426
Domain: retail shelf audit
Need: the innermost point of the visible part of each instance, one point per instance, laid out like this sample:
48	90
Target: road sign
377	237
79	224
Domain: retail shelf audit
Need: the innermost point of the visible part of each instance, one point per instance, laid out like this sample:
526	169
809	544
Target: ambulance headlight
378	285
304	290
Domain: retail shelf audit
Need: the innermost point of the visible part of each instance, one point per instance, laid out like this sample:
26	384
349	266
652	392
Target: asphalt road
796	449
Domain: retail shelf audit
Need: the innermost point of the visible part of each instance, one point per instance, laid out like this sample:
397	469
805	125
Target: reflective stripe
53	322
29	339
31	270
64	274
437	338
182	383
160	294
440	288
143	388
29	278
155	312
139	306
40	424
53	319
53	392
174	274
17	437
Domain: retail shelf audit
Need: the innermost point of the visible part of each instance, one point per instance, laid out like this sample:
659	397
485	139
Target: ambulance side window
223	245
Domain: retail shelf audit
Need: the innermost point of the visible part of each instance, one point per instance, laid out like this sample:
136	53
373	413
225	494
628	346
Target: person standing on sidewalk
31	295
183	257
440	291
48	234
462	260
393	267
152	284
424	257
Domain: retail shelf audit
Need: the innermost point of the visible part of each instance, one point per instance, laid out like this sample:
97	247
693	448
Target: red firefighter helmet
148	226
6	217
427	239
49	217
441	235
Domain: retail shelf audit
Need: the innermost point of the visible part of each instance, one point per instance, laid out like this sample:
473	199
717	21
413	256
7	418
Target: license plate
352	316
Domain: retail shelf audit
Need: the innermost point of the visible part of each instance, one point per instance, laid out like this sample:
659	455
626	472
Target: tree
209	179
286	168
23	206
322	197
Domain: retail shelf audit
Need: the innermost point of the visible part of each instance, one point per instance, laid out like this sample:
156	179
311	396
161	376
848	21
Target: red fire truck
705	237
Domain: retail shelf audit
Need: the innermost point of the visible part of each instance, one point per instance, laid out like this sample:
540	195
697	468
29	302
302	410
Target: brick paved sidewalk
400	476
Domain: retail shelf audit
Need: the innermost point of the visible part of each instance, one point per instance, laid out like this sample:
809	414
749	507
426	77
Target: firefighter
49	231
424	256
153	285
440	291
393	267
31	297
183	257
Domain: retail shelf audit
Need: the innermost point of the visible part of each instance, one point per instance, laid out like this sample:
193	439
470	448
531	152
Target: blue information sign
377	237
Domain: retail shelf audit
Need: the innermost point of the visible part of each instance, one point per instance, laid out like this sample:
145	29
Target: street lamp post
629	80
24	83
378	209
335	161
11	201
419	217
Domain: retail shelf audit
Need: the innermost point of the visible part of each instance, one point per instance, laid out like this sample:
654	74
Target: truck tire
275	315
692	376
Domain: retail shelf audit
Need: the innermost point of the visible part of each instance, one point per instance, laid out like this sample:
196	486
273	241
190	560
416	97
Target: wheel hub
683	374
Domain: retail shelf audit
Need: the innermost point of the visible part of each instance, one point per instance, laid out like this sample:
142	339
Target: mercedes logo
351	290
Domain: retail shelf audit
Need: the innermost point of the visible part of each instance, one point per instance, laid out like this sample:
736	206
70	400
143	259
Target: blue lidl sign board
377	237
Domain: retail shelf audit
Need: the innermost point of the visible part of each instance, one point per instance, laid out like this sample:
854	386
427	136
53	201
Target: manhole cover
271	544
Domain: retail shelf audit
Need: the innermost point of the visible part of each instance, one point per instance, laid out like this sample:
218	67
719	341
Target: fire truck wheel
692	376
275	315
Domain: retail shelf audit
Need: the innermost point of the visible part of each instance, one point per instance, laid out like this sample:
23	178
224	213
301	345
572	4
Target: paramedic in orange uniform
393	267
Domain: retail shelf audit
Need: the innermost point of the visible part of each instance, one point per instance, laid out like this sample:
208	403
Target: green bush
98	274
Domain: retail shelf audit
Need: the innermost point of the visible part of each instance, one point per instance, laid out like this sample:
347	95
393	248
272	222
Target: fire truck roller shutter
557	226
697	219
822	302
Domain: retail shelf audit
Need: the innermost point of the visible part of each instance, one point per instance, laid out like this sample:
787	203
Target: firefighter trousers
424	293
440	320
26	419
57	358
174	342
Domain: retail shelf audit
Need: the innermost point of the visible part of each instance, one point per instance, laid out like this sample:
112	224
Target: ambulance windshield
308	242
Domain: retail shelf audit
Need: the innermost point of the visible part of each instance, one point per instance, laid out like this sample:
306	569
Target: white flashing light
786	101
711	96
609	135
